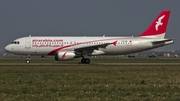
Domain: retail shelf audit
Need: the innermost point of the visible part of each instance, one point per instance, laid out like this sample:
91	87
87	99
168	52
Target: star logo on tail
158	23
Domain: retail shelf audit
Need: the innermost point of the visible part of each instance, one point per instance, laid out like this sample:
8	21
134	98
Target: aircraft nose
7	48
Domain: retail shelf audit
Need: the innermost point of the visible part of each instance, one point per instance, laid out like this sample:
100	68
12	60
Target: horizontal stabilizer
163	40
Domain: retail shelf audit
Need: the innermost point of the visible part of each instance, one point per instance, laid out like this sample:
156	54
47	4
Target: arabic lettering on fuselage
47	43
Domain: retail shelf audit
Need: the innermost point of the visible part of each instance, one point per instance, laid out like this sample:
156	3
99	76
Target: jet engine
60	56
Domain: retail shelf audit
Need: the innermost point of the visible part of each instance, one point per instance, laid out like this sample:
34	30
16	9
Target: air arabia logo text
47	43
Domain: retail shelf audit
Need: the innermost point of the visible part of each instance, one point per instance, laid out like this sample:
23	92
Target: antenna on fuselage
29	35
103	35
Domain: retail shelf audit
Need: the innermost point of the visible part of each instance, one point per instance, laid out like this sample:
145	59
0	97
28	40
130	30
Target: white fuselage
52	45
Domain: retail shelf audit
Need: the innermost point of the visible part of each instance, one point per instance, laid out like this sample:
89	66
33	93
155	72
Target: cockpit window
15	42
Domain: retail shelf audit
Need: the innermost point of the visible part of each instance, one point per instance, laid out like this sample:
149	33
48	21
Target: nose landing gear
28	59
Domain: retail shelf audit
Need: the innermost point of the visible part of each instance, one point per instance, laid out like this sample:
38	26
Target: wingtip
114	43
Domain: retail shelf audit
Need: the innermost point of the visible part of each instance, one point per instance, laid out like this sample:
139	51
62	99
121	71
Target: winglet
114	43
158	26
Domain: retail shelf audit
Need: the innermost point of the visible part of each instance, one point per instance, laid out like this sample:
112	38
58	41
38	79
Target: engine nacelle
60	56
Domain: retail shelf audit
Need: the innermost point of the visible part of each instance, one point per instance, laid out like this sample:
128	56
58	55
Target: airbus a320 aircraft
68	48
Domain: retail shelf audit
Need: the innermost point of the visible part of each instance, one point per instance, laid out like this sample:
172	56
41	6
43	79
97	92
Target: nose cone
7	48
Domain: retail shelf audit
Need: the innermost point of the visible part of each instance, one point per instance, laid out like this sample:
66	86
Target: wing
91	48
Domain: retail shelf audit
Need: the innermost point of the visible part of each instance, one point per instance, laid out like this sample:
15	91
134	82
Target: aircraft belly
36	51
42	51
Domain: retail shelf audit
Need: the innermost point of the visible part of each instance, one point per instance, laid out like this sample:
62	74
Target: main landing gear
85	60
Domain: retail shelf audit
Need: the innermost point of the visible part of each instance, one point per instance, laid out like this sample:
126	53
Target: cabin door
28	43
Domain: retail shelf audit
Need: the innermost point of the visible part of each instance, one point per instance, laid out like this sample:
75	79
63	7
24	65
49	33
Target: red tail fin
158	26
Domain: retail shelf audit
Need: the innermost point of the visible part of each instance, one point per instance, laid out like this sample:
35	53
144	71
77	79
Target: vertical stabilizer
158	26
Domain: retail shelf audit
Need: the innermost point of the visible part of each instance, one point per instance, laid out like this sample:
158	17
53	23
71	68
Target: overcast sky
19	18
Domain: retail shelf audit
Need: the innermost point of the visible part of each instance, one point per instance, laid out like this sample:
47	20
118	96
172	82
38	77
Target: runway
75	64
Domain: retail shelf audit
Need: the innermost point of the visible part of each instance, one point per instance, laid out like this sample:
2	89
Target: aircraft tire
27	61
83	60
87	61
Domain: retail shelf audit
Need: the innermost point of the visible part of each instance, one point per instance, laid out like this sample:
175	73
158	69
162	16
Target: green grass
89	83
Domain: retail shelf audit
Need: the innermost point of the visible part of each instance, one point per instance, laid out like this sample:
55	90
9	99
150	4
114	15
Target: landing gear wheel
85	60
27	61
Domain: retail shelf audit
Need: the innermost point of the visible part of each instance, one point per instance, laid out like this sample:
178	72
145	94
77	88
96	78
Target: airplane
70	47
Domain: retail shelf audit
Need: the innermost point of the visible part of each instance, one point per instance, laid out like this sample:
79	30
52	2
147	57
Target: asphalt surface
75	64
